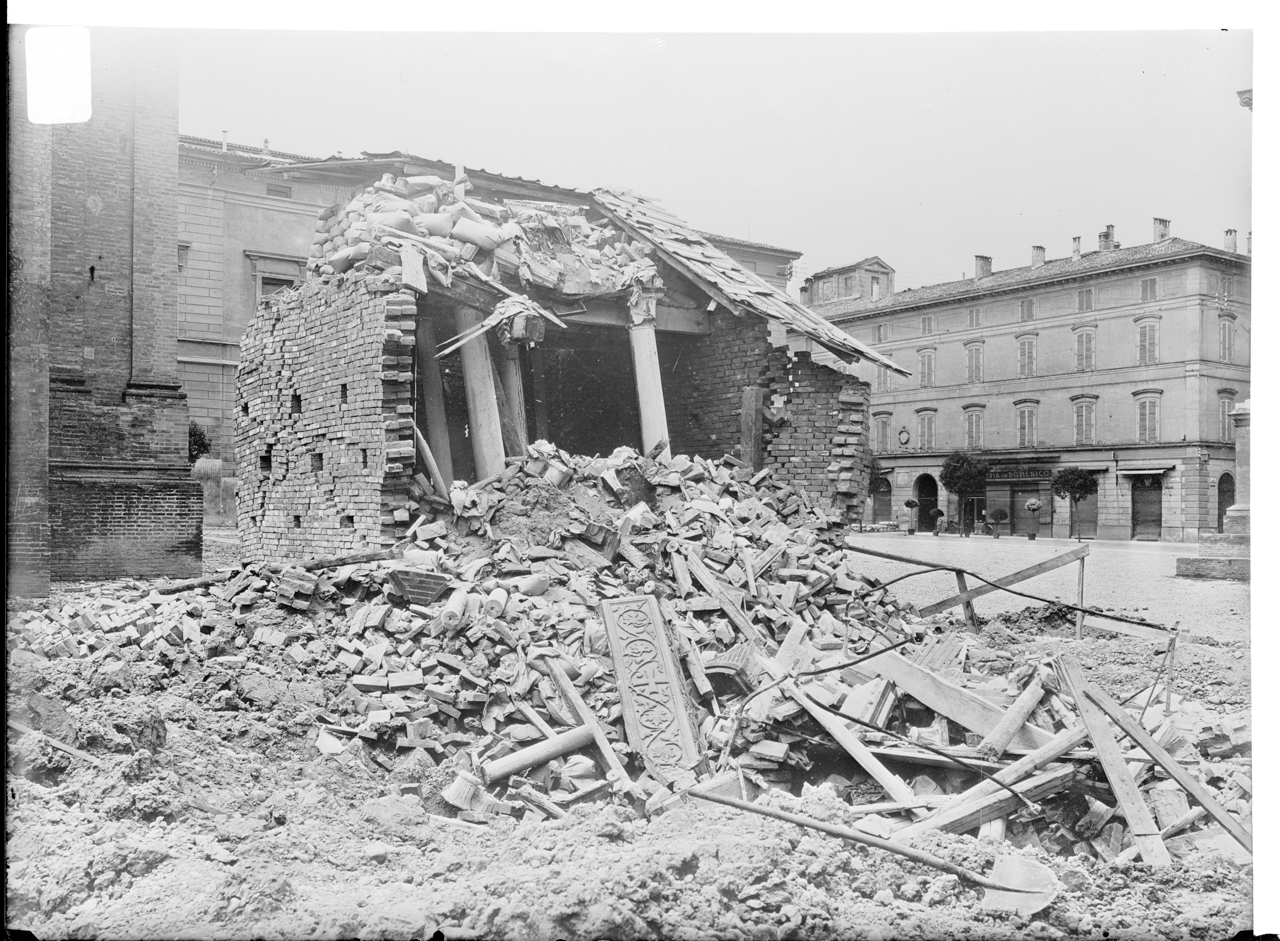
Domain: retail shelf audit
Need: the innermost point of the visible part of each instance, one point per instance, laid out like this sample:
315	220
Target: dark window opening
347	522
317	462
92	271
343	394
295	405
297	522
264	462
272	285
364	457
244	409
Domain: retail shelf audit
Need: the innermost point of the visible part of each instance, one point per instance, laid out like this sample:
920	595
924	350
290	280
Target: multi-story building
1123	361
241	234
771	263
869	279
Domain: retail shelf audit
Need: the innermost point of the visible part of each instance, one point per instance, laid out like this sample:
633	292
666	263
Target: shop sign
1019	472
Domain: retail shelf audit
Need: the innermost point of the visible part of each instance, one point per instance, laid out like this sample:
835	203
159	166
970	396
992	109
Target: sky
923	149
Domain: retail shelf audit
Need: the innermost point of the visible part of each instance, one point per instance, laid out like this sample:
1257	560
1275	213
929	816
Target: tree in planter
911	503
998	516
198	444
938	516
1033	507
963	473
1074	484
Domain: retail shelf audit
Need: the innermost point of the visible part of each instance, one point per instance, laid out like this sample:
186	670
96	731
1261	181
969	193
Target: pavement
1135	579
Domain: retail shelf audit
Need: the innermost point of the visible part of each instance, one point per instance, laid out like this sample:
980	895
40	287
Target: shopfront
1010	486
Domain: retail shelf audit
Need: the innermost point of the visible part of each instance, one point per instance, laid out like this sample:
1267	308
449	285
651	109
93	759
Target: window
973	362
1228	287
1226	429
1027	309
1226	340
275	189
926	368
973	429
926	326
925	436
1148	417
272	285
825	290
184	252
975	316
884	381
875	287
848	285
1026	426
882	433
1148	343
1148	289
1084	421
1085	340
1026	357
882	333
749	265
1084	299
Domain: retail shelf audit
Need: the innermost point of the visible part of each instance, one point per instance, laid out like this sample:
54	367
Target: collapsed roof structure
440	301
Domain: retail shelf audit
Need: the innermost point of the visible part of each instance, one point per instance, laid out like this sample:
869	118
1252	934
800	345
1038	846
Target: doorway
1084	518
1226	497
882	501
927	496
1024	520
1148	492
973	512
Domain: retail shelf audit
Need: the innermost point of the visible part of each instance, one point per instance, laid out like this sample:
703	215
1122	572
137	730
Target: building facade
1123	361
242	234
98	420
869	279
769	262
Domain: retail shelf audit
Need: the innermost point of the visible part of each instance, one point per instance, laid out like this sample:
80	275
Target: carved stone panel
654	707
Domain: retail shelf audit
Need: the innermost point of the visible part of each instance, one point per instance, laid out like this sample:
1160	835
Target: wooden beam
1001	803
513	385
669	319
1132	728
970	616
1136	813
431	398
961	705
437	478
485	426
997	740
588	718
1039	569
512	440
653	406
753	426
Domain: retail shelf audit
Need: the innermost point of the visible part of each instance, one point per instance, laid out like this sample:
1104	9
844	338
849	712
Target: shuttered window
1027	427
926	369
973	430
1084	299
1027	310
926	431
1226	430
882	434
883	382
882	333
973	363
926	326
975	316
1148	289
1027	357
1226	341
1148	421
1084	423
1148	344
1084	350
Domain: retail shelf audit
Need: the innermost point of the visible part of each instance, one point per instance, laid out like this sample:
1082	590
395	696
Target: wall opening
264	462
364	457
297	522
342	394
317	462
244	409
347	522
295	404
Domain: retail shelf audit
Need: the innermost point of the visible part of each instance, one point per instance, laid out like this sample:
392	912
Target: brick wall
822	445
321	475
27	499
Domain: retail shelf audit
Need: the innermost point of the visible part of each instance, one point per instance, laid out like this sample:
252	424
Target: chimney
1248	242
981	266
1037	256
1107	239
1230	241
1159	230
265	148
224	142
1075	248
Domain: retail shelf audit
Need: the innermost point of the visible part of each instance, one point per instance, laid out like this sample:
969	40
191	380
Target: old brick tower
99	484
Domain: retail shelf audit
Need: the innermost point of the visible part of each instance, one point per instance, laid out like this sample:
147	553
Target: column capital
643	303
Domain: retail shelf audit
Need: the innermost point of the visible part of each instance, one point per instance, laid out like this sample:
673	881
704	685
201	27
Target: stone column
482	398
1237	516
644	353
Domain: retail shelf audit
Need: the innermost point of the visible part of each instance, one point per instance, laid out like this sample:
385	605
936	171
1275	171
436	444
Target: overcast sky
924	149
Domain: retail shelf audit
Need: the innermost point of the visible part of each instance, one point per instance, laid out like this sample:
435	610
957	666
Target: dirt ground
206	819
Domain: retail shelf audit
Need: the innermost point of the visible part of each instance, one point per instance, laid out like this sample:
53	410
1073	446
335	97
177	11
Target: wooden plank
961	705
658	725
411	265
536	754
1136	813
752	421
431	393
513	386
588	718
970	616
997	740
893	785
482	399
61	746
1022	575
1171	766
977	796
1001	803
437	477
512	440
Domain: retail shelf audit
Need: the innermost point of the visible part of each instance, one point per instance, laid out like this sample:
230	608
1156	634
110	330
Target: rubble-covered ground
204	809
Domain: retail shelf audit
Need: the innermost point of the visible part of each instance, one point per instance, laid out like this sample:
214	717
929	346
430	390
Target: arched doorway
881	500
1226	497
927	496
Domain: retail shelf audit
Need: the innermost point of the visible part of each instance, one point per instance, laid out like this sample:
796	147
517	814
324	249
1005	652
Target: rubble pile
623	628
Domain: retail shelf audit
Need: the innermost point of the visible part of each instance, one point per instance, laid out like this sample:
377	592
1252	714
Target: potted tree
1033	506
1075	484
998	516
911	503
938	516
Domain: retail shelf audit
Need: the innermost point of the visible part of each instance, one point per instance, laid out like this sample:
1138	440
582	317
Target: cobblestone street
1133	578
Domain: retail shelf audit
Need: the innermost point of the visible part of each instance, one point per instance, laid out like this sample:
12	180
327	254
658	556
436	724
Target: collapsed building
450	318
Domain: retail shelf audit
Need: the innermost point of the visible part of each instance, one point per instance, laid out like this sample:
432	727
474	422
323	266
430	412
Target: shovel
1016	882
